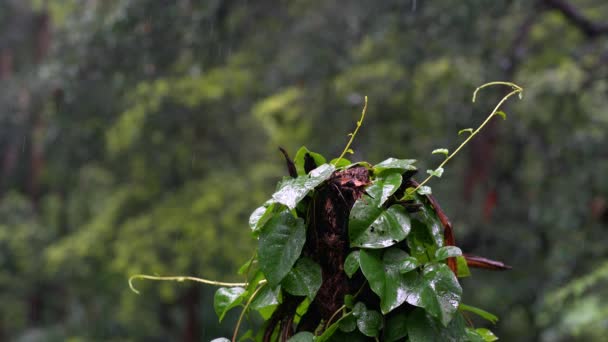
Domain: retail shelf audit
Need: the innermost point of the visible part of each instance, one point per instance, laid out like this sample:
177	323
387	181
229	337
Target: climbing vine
355	251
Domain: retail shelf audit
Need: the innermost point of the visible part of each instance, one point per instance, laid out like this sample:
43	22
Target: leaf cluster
399	252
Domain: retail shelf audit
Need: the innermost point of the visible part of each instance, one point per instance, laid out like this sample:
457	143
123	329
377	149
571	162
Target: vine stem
238	323
180	279
353	134
516	90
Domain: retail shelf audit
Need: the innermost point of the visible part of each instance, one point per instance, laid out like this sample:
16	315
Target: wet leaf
398	164
424	190
220	339
369	322
304	279
280	244
373	227
441	292
396	327
226	298
421	243
486	334
386	279
300	159
261	215
447	252
293	190
341	163
351	264
423	328
348	323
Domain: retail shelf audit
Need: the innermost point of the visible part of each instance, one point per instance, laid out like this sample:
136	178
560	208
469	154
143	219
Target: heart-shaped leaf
386	279
226	298
293	190
373	227
280	244
304	279
441	292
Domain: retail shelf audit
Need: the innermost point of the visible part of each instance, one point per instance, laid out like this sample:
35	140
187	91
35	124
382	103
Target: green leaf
429	218
398	164
469	130
473	336
351	264
423	328
438	172
408	264
486	334
349	301
304	279
421	242
373	227
502	114
265	298
396	327
447	252
424	190
342	163
293	190
226	298
280	244
303	336
441	292
386	279
261	215
220	339
369	322
463	267
300	159
480	312
441	151
348	323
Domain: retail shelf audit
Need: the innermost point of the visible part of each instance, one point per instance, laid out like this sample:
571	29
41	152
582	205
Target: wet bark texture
327	244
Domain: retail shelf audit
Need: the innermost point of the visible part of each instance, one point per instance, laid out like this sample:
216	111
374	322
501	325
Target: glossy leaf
373	227
280	244
293	190
398	164
300	159
348	323
441	292
447	252
396	327
226	298
304	279
351	264
303	336
369	322
220	339
423	328
421	242
480	312
266	297
386	279
261	215
429	218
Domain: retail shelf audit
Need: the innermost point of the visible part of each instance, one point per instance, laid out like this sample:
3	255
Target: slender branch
353	134
238	323
517	90
180	279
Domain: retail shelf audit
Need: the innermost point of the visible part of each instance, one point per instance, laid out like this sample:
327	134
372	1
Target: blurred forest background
136	136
